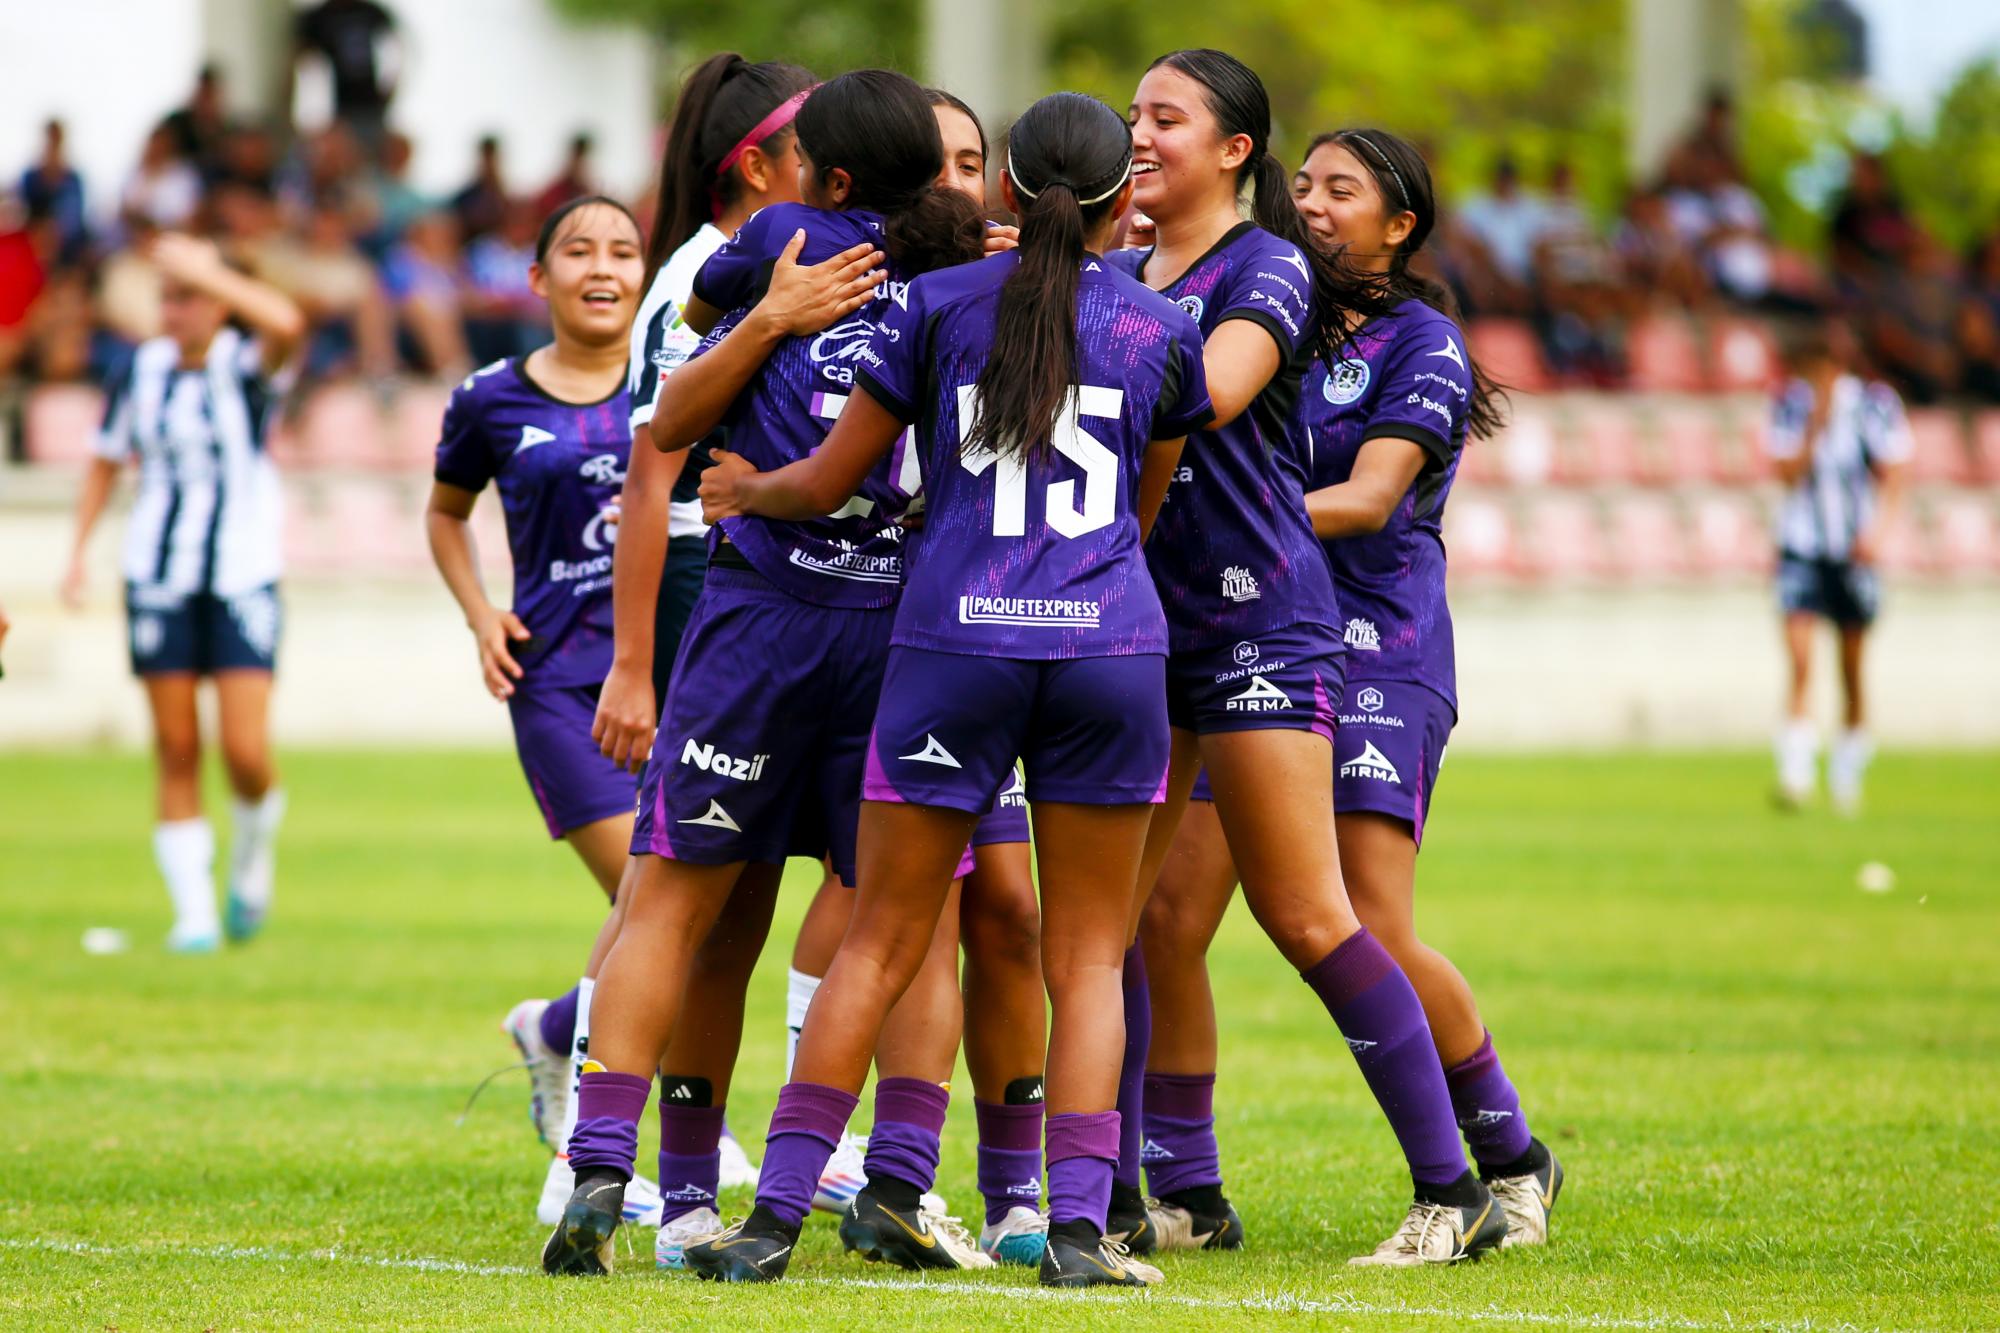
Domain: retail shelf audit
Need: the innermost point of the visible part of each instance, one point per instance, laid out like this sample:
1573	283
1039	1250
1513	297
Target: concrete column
250	40
988	52
1676	51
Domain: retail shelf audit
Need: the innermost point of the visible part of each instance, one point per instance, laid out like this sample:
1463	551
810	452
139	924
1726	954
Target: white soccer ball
101	940
1874	877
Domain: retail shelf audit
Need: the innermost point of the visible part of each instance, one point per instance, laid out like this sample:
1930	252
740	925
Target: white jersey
208	513
661	341
1865	429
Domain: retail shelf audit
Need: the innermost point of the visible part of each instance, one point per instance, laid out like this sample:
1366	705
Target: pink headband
781	115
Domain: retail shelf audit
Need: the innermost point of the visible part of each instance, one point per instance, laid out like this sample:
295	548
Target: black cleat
1127	1222
580	1246
1184	1223
911	1238
756	1249
1077	1257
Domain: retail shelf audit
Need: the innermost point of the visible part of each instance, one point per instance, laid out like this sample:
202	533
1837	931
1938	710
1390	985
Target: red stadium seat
1664	356
1939	455
1561	539
1479	539
1965	539
1986	446
1743	356
1601	445
339	426
1522	454
60	423
377	526
1689	444
1507	350
1648	543
413	426
1730	536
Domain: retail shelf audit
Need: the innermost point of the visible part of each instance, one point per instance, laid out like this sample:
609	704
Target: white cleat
548	1075
670	1248
1527	1201
845	1174
1438	1233
642	1197
953	1236
1017	1238
738	1171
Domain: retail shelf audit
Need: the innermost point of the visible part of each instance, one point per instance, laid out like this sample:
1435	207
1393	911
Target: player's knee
1173	929
249	770
1007	933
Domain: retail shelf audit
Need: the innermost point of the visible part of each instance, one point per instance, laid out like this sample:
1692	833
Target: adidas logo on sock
682	1093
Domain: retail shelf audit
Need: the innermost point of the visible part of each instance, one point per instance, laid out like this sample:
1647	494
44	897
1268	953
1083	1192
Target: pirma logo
1348	382
932	753
1371	763
1260	696
532	436
715	817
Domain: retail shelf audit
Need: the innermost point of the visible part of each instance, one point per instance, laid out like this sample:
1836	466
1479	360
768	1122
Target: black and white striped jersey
1865	430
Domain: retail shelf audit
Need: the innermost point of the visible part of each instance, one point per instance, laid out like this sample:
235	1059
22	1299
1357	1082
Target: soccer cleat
1128	1223
1527	1200
1018	1238
1071	1262
642	1197
1439	1233
580	1246
676	1234
192	941
754	1249
845	1174
914	1240
738	1171
1178	1227
240	920
548	1071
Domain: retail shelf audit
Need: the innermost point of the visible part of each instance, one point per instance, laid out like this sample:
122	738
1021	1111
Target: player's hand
496	633
623	727
74	580
186	259
803	300
722	487
1001	239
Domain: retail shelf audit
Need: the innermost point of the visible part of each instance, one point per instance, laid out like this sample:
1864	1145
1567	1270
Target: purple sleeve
1273	289
1184	405
1426	390
734	276
463	458
892	360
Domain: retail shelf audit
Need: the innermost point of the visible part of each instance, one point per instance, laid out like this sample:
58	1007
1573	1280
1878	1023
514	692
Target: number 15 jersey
1035	555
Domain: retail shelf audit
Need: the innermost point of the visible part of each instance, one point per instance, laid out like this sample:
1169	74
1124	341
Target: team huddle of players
1122	515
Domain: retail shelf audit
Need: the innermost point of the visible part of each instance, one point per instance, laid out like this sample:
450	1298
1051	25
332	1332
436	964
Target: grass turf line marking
1272	1303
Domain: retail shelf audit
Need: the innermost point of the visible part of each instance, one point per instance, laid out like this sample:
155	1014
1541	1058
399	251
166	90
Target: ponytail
1068	157
934	229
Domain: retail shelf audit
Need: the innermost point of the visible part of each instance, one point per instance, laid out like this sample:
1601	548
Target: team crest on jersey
1370	700
1193	305
1347	382
256	617
1371	763
1239	586
1246	653
1363	635
148	634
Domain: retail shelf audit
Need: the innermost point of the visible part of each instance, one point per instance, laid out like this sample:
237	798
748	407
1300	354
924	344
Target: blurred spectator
1979	320
163	189
1658	266
1576	288
422	278
128	290
52	188
351	328
200	127
357	40
481	204
1871	229
575	179
503	316
1504	224
250	156
1713	138
393	202
1910	323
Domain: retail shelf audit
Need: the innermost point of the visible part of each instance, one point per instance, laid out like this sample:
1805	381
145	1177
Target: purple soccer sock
1132	1076
1487	1107
1180	1149
608	1107
909	1119
559	1022
690	1157
1083	1149
1010	1156
1377	1011
804	1129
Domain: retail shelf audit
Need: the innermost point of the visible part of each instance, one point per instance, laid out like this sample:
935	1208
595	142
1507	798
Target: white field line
1262	1302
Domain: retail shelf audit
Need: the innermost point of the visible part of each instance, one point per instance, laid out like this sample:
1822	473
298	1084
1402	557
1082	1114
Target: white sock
579	1049
1852	750
253	851
185	851
799	991
1798	753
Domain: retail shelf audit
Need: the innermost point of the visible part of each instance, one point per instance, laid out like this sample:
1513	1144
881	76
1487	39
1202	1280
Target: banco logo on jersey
1259	696
841	345
602	530
1371	763
1246	653
1348	382
1370	700
1363	635
1193	305
1239	586
704	755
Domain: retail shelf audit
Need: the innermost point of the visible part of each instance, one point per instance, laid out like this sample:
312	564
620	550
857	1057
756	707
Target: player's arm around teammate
201	565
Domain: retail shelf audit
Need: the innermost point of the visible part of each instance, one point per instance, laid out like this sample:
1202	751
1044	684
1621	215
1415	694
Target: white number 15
1072	441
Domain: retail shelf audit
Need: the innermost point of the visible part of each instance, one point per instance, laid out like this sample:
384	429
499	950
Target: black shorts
680	585
201	632
1848	594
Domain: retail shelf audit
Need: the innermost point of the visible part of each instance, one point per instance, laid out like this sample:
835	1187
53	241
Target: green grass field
1778	1096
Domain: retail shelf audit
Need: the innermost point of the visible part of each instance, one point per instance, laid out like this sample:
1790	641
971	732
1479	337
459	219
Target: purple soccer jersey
1023	556
1403	376
853	558
559	468
1233	552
